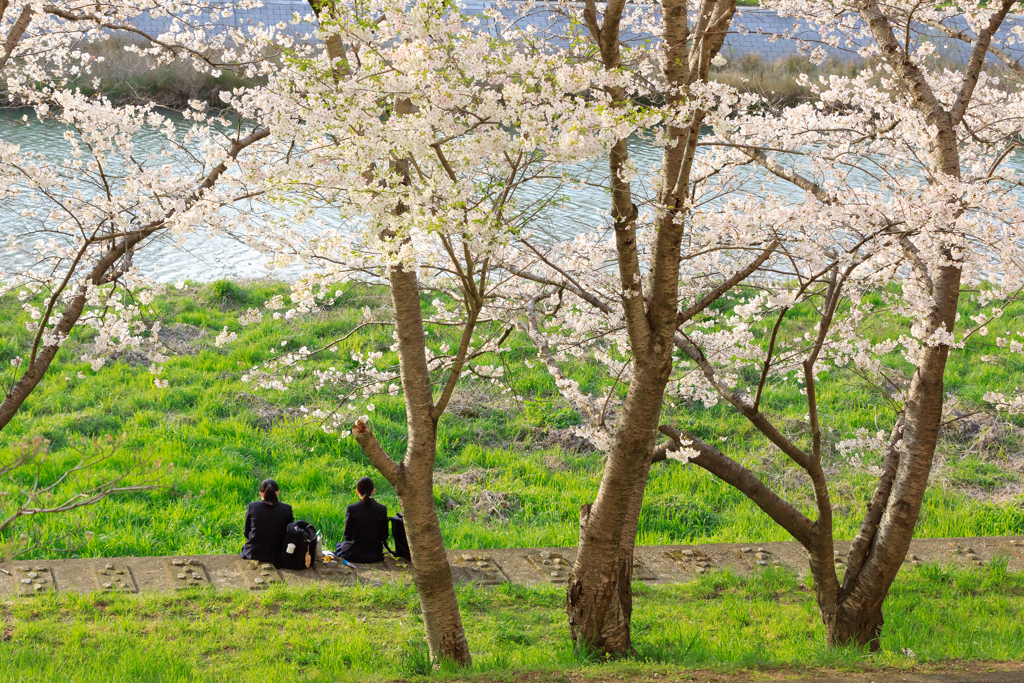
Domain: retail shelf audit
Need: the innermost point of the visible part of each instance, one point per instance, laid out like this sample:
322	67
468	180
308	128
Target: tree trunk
860	617
413	478
433	575
599	601
855	625
445	635
847	622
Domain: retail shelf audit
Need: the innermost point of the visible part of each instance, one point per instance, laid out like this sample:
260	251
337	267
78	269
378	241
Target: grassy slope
222	442
357	634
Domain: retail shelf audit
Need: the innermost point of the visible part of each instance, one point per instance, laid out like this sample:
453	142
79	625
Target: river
203	256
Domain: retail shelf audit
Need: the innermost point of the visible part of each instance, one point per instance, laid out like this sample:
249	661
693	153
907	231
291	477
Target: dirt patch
941	672
983	433
567	439
267	413
176	339
134	357
476	401
463	480
495	505
182	338
555	464
982	456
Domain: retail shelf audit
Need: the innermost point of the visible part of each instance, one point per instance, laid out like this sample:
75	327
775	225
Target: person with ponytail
265	523
366	527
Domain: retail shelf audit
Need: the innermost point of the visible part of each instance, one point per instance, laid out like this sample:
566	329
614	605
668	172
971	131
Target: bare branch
394	472
746	482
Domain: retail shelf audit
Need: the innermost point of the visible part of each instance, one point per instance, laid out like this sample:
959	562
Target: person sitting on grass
265	523
366	527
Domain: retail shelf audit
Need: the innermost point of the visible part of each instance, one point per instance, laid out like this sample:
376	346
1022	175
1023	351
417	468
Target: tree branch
880	499
977	59
17	31
459	362
739	402
394	472
1001	54
737	277
746	482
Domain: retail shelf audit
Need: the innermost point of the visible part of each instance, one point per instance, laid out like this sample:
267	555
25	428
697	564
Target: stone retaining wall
527	566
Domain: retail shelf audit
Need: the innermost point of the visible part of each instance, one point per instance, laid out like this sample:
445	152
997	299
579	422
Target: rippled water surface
205	257
201	256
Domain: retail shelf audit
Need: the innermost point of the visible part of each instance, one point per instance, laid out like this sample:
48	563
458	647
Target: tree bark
852	612
435	588
413	479
598	599
860	618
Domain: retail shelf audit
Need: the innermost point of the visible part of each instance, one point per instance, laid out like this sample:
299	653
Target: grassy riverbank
128	78
719	622
510	472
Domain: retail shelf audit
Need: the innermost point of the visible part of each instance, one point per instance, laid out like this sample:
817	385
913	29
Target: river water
204	256
201	256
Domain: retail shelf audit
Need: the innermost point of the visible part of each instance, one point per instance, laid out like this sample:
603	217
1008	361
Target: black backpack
300	536
401	542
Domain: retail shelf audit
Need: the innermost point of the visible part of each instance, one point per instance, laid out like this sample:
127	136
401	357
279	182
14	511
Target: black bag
401	542
300	537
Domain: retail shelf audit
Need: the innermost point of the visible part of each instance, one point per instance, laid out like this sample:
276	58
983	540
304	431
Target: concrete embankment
526	566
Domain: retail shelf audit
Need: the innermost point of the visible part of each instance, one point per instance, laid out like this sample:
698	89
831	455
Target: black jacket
366	532
264	530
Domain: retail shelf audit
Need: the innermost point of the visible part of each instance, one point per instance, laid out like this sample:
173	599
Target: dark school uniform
366	532
265	526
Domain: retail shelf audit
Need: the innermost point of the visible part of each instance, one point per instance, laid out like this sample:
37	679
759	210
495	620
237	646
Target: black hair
365	487
269	489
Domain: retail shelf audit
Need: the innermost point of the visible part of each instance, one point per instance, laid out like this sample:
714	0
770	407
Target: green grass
222	437
329	633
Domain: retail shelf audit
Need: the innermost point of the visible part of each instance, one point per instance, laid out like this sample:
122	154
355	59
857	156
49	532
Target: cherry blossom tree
909	209
645	290
85	217
908	166
419	129
46	43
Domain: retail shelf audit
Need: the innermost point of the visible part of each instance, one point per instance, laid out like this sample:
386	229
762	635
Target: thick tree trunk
413	478
859	619
859	624
847	622
599	603
616	633
445	635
